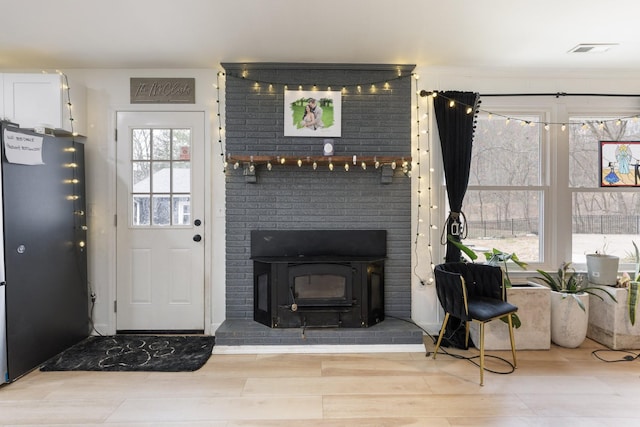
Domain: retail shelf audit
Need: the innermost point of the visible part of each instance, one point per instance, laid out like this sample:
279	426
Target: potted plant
614	324
569	305
602	269
531	322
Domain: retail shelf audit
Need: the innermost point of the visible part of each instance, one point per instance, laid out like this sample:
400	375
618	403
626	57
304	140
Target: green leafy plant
493	257
632	284
566	282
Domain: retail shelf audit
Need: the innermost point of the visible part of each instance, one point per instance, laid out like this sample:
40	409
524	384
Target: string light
358	86
527	122
219	76
419	183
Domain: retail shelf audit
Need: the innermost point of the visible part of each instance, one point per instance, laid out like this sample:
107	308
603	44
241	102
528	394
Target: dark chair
473	292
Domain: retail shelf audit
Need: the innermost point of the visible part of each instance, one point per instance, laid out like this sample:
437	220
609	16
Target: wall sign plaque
162	90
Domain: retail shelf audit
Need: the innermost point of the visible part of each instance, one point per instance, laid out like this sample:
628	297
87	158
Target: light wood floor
560	387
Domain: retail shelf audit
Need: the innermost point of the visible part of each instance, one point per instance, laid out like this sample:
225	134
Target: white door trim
210	231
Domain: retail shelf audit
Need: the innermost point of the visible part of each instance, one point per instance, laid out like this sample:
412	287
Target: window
504	201
603	218
161	170
535	189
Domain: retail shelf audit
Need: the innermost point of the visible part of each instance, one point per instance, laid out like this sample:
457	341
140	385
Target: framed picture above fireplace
312	113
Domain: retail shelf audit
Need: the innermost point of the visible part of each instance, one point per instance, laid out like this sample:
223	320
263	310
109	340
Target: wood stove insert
318	278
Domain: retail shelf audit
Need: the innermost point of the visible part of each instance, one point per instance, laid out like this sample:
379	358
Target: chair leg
481	353
444	325
466	334
513	342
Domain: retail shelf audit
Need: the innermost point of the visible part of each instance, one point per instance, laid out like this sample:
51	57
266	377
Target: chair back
458	282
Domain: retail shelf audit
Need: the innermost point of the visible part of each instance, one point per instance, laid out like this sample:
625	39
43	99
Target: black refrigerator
44	304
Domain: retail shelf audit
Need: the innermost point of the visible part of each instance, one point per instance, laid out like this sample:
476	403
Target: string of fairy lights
219	79
420	181
425	226
273	87
79	214
546	125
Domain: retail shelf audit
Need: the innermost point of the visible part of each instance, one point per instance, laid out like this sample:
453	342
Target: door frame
207	218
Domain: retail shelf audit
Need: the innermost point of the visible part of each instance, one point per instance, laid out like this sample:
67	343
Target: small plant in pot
569	304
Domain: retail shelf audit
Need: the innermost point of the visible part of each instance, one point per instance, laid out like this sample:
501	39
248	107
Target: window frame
597	107
557	196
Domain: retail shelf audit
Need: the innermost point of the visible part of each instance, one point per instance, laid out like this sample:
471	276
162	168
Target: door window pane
161	177
161	209
141	177
181	177
181	210
161	144
141	144
181	144
141	210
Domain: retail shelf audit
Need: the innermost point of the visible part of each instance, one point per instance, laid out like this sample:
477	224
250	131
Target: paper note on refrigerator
22	148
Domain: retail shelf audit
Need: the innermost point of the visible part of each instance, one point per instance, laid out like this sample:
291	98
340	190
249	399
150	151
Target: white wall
107	91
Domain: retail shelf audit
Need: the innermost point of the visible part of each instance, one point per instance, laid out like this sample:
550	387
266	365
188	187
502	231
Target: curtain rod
424	93
559	94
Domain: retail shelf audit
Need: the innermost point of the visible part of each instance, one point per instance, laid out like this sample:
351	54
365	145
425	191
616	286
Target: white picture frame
323	120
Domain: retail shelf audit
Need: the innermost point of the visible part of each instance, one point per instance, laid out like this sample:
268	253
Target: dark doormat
134	353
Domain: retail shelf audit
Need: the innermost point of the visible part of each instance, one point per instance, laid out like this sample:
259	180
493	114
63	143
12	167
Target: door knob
197	238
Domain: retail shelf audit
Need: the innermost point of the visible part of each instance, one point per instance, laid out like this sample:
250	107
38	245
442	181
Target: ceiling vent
592	47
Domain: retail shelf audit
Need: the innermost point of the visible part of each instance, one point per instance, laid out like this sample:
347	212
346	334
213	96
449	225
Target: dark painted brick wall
288	197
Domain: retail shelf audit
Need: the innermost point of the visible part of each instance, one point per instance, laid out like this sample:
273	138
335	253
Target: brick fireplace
376	123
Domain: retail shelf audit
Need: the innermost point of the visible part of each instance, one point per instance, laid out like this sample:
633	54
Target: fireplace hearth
318	278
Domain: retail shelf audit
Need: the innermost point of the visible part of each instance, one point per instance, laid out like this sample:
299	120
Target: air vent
592	47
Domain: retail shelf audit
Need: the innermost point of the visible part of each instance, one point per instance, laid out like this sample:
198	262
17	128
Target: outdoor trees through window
603	218
504	199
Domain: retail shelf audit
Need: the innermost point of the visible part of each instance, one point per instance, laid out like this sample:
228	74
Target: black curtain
456	125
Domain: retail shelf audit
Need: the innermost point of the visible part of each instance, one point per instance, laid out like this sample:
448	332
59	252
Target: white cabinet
41	100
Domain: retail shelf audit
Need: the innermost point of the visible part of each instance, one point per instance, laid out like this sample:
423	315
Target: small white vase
569	323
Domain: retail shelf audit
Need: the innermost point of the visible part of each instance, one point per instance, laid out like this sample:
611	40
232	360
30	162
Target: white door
160	227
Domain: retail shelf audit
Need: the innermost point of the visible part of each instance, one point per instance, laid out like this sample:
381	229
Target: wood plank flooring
559	387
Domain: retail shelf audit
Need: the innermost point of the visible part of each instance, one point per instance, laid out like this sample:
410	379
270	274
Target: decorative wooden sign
163	90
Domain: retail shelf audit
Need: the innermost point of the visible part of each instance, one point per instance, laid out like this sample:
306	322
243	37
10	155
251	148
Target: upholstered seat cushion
483	308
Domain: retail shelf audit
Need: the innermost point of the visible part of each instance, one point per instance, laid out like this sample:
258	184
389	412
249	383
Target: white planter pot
534	310
569	322
602	269
609	322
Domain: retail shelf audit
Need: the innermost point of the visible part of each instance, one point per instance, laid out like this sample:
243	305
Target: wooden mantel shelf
386	163
293	159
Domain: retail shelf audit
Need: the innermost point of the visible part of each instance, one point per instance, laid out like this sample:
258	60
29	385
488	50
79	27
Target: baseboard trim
318	349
